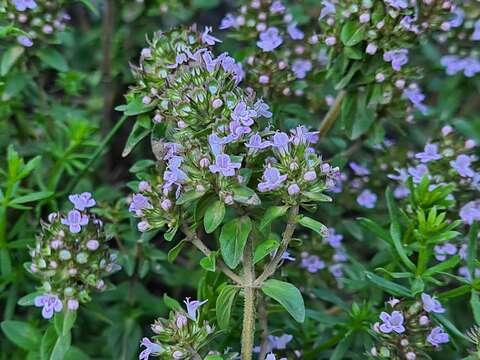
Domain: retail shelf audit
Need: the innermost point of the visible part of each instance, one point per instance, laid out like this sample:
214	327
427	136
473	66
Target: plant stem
248	329
271	267
263	321
198	243
332	114
74	181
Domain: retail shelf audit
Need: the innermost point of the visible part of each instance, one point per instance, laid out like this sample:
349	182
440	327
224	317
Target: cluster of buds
37	19
216	136
406	330
284	58
181	336
71	257
380	35
460	39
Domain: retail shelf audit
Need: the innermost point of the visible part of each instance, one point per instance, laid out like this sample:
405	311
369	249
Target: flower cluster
283	56
460	39
38	19
180	336
407	329
216	136
71	257
380	35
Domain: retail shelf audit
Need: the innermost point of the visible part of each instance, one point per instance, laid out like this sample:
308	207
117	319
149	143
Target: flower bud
310	176
293	189
72	304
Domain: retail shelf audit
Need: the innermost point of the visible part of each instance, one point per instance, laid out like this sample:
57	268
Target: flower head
75	220
50	304
25	41
280	142
294	32
392	322
470	212
139	202
255	142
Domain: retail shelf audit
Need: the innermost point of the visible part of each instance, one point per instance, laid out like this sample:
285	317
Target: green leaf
245	195
375	229
62	345
141	165
317	197
444	265
214	215
271	214
208	262
9	58
171	303
22	334
32	197
449	326
75	353
342	348
388	286
475	304
137	107
287	295
52	58
47	343
233	238
29	299
89	4
189	196
314	225
352	33
141	129
264	248
173	253
224	305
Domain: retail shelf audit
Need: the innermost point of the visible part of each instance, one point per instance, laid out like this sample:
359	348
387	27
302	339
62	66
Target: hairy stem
272	266
263	321
332	114
248	329
200	245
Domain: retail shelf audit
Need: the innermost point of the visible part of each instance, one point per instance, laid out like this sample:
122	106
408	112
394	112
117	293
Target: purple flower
279	342
210	63
334	239
336	270
255	142
262	109
430	153
397	4
293	189
179	59
470	212
150	348
174	176
271	356
392	322
25	41
457	20
272	179
398	58
462	165
22	5
430	304
139	202
476	32
441	251
237	129
243	114
269	39
418	172
280	142
294	32
401	192
286	256
312	263
75	220
92	245
300	68
416	97
50	304
216	143
328	8
227	22
358	169
82	201
367	199
277	7
437	336
192	307
301	135
207	38
224	166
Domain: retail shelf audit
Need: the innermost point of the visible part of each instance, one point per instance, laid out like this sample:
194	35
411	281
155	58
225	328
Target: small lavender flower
243	114
416	97
392	322
334	239
430	153
286	256
224	166
237	130
294	32
280	142
398	58
401	192
22	5
270	39
139	203
430	304
272	179
397	4
228	21
255	142
300	67
150	348
371	49
336	270
437	336
75	220
358	169
418	172
293	189
181	321
462	165
441	251
470	212
192	307
367	199
207	38
25	41
50	304
279	342
328	9
262	109
476	32
312	263
82	201
277	7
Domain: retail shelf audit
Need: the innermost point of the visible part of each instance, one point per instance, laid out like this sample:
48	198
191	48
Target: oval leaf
287	295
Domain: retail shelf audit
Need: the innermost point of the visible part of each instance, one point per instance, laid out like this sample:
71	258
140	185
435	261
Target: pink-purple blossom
311	263
139	203
280	142
75	220
430	153
367	199
255	142
294	32
301	67
82	201
50	304
150	348
270	39
192	307
437	336
22	5
392	322
398	58
358	169
416	97
444	250
224	166
462	165
24	41
430	304
243	114
207	38
272	179
470	212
